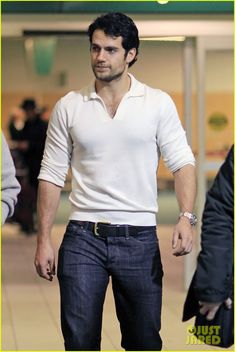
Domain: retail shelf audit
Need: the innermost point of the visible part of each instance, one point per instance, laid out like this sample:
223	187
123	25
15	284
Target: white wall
219	71
159	65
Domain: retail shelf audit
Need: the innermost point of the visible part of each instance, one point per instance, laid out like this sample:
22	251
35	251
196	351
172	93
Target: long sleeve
57	153
10	186
171	137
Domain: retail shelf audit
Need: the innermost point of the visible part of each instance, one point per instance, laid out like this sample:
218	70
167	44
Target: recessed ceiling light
164	39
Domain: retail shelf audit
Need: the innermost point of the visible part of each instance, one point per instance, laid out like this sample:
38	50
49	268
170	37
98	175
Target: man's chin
107	78
102	77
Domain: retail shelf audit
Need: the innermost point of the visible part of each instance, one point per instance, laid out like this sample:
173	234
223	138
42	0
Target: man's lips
101	67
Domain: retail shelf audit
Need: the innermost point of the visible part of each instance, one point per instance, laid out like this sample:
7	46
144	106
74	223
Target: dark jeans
84	266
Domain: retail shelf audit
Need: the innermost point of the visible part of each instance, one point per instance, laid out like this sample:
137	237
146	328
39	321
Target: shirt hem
134	218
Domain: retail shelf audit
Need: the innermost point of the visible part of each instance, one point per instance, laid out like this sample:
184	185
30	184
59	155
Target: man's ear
131	55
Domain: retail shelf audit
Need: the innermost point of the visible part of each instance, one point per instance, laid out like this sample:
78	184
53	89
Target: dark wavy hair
117	24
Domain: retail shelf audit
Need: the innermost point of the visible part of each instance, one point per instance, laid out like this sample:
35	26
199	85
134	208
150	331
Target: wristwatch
192	217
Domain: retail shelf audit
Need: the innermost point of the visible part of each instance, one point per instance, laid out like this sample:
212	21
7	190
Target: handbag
218	331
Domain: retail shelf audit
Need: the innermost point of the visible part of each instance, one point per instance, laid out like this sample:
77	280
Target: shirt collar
136	90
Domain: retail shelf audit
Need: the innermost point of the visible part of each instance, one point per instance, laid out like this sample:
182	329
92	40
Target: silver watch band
192	217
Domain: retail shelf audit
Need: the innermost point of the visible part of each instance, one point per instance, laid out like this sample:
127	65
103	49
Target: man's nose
101	55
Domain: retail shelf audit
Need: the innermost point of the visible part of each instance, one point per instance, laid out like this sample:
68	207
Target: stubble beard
109	77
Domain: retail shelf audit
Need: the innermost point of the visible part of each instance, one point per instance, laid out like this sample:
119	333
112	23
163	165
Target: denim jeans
85	264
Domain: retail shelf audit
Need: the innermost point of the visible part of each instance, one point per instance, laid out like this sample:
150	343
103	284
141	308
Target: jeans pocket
146	237
73	236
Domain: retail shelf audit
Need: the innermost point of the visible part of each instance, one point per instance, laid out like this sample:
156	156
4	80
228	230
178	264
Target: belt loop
127	232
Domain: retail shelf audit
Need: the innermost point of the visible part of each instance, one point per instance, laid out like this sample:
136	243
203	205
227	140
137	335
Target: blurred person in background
28	134
17	136
34	137
33	145
9	185
45	113
17	123
23	214
112	133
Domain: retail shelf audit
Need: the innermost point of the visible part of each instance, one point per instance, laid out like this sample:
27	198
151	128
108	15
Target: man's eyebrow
108	47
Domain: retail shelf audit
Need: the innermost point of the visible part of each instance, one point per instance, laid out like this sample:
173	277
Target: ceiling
172	7
176	18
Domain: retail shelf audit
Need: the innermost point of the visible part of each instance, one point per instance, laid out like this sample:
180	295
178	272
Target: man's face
30	113
108	57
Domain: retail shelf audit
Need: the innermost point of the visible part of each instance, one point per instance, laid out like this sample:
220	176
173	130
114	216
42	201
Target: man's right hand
45	260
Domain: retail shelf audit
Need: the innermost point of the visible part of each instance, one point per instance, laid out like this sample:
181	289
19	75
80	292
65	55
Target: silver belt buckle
96	229
97	225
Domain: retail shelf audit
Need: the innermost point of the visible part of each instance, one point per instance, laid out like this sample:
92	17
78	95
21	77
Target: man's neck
113	90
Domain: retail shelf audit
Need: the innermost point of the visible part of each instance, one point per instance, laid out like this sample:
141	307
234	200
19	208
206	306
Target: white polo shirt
114	160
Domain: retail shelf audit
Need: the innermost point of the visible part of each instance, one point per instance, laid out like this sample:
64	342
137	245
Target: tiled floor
30	305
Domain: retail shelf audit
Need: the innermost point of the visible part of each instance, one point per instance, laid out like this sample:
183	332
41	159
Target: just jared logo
203	334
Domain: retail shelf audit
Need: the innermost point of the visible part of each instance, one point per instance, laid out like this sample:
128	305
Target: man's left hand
183	235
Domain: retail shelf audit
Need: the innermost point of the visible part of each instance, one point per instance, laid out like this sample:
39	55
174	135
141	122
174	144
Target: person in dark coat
31	145
212	283
35	135
16	124
23	214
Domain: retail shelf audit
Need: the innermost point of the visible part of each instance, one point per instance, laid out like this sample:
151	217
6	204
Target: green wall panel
172	7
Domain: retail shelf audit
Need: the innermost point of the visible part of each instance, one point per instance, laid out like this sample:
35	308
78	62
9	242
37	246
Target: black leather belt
103	229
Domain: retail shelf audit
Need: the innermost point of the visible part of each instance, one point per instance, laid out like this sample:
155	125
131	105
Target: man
9	185
112	134
35	135
31	145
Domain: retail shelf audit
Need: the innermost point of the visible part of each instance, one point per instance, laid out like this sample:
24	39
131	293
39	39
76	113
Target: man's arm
48	201
185	189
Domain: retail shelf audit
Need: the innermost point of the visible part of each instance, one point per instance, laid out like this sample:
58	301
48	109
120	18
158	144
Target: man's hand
183	234
45	260
211	308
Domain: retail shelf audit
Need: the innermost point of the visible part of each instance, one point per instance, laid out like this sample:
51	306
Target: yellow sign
218	121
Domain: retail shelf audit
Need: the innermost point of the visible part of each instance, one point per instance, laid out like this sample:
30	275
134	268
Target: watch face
193	219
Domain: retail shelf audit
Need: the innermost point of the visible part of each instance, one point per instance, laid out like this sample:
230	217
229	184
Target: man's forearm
48	201
185	187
